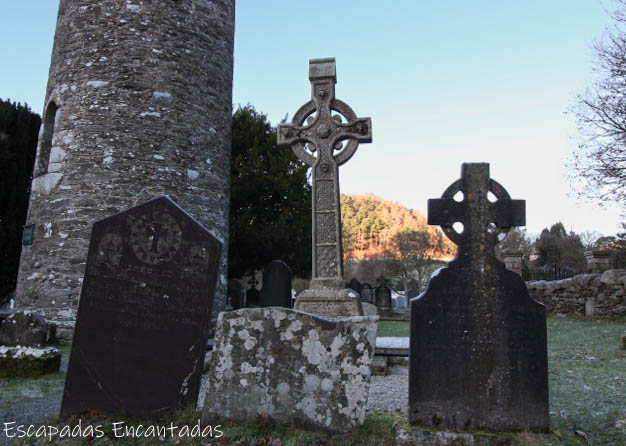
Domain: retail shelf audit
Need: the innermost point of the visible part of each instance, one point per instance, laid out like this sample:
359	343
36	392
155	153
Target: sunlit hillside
370	223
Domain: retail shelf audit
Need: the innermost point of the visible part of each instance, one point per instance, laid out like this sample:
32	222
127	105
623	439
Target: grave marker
367	293
478	356
383	296
355	285
325	140
236	294
253	295
276	291
143	319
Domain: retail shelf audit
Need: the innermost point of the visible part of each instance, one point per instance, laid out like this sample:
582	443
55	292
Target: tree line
19	128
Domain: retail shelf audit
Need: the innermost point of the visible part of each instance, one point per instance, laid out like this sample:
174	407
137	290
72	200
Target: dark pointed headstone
143	320
478	355
276	290
236	294
253	295
383	296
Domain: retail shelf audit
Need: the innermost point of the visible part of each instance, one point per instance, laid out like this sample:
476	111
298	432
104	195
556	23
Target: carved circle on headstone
109	250
496	232
155	239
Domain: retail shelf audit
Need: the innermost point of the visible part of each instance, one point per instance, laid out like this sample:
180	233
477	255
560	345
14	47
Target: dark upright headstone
142	325
355	285
478	355
367	294
236	294
383	296
413	289
253	295
276	291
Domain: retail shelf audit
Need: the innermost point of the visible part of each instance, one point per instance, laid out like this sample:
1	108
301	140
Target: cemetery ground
587	400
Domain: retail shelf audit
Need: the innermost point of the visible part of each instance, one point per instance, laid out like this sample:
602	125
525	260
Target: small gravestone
236	294
383	297
276	291
478	350
26	328
253	295
401	302
413	289
355	285
142	325
325	133
367	293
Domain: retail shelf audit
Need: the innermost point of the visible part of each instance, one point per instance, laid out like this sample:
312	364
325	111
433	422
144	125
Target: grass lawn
587	375
393	328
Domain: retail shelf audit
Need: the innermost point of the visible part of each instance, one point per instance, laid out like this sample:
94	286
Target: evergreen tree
19	128
555	247
270	201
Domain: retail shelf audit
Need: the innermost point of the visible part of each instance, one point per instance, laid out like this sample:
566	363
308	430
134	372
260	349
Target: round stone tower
138	104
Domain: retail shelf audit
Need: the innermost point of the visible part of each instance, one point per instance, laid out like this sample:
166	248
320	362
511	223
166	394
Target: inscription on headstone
276	291
324	134
142	325
478	350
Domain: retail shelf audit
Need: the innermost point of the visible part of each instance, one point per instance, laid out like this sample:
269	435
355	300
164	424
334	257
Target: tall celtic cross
325	133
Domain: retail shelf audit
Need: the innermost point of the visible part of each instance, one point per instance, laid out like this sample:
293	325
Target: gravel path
34	411
390	392
386	393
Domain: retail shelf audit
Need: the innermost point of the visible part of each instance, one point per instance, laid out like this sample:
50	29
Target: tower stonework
138	104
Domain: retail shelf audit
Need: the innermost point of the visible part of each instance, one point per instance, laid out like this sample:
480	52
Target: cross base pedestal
330	302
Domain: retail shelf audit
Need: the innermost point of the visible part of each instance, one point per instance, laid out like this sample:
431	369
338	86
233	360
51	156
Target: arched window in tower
46	140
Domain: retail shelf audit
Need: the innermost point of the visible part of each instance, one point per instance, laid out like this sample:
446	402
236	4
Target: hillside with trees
370	227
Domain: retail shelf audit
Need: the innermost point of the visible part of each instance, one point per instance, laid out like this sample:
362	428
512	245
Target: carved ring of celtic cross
497	233
310	113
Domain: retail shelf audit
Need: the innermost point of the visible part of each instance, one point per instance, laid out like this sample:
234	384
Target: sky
443	82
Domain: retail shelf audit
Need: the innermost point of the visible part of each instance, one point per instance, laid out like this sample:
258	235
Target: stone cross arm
475	211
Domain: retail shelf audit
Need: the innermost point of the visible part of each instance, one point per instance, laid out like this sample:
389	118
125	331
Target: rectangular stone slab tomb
143	319
291	365
478	348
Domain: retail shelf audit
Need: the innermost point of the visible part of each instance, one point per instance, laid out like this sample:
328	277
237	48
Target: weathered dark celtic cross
325	140
483	221
478	355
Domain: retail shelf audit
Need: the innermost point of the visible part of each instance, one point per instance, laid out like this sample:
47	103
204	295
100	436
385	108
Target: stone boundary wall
593	295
